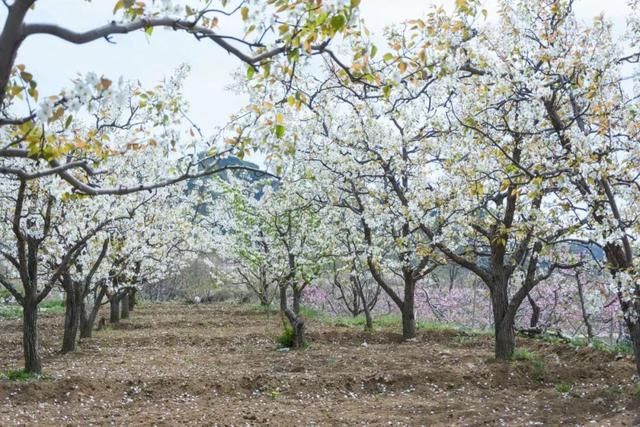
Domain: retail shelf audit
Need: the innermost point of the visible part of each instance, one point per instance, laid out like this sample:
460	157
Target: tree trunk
32	362
297	296
408	322
72	313
263	295
408	308
264	299
505	338
583	308
86	325
634	332
132	298
535	312
114	304
621	259
297	324
283	304
368	326
124	305
505	341
473	308
87	321
283	298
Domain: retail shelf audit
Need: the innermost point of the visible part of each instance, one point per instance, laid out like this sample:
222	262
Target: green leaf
280	130
322	18
251	71
337	22
283	28
294	55
67	122
374	50
33	92
386	91
388	57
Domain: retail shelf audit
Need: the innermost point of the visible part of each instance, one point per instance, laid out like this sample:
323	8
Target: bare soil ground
174	364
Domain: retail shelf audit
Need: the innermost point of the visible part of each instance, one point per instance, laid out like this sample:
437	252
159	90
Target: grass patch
391	321
395	321
259	308
52	306
305	312
436	326
274	394
622	348
537	364
538	369
348	321
14	311
10	312
524	354
285	339
19	375
313	314
563	388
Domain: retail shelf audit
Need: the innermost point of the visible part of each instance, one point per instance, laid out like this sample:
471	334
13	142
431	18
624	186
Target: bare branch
116	28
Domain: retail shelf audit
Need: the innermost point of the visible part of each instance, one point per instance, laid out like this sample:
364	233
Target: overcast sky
55	63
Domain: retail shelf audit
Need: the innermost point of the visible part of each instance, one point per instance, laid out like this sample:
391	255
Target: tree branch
117	28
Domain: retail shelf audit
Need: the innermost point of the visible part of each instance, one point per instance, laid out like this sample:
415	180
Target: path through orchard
173	364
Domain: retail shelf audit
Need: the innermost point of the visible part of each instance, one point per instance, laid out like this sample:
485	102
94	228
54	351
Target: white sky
54	63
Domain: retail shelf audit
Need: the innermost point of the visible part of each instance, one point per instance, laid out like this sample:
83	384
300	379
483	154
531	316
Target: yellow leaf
27	77
79	143
119	5
57	114
106	83
476	189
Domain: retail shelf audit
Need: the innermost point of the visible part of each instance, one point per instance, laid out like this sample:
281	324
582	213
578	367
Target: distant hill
250	175
233	161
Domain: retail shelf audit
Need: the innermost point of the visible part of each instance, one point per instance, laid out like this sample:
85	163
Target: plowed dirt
173	364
